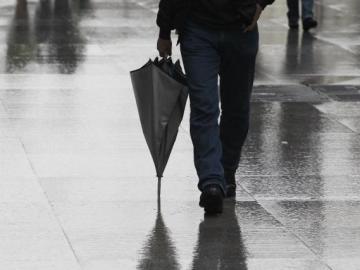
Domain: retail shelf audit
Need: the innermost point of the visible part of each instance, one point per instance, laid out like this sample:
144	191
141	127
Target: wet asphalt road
77	183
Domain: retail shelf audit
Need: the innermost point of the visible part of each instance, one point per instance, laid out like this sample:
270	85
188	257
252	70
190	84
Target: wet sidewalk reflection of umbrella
159	252
161	93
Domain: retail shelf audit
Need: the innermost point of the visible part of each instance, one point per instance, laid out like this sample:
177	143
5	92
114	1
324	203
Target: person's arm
164	19
260	6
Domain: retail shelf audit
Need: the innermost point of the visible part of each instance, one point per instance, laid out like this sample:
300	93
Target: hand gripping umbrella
161	93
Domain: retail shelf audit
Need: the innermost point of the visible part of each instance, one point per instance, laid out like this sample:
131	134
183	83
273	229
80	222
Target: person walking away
307	14
218	38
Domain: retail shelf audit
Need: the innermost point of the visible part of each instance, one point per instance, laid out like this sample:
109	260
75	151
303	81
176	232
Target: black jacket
172	13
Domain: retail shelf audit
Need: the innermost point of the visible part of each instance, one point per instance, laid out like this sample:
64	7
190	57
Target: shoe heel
213	205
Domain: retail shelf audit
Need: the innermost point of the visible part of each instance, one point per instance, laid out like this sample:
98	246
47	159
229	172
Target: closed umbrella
161	92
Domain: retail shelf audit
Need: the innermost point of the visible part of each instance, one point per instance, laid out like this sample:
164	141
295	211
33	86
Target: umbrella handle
159	194
167	57
159	187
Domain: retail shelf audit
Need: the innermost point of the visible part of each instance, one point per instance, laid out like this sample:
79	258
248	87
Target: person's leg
238	55
293	13
307	9
308	14
201	61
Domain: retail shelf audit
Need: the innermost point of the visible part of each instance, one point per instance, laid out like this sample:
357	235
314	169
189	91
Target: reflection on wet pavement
50	39
159	251
220	244
77	183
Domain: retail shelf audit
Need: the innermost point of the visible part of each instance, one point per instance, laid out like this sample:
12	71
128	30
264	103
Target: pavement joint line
332	118
140	4
326	40
294	199
286	228
318	38
67	239
317	91
304	175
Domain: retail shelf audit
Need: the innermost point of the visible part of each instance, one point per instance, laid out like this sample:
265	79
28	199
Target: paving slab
77	183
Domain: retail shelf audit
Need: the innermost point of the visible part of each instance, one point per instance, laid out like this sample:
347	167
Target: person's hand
164	46
255	19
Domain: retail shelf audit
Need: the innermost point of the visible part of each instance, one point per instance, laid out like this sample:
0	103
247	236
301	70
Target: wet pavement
77	183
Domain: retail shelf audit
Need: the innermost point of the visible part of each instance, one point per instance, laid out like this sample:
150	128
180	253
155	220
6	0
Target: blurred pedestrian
217	37
307	14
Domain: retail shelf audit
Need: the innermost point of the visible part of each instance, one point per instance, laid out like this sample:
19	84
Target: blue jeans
294	12
207	55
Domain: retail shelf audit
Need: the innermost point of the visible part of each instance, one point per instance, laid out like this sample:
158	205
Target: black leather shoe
309	23
211	199
230	184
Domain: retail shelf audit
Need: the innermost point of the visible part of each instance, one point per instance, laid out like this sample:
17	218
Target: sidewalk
77	183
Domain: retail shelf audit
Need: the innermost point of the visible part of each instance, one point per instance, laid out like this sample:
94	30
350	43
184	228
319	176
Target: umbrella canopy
161	93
